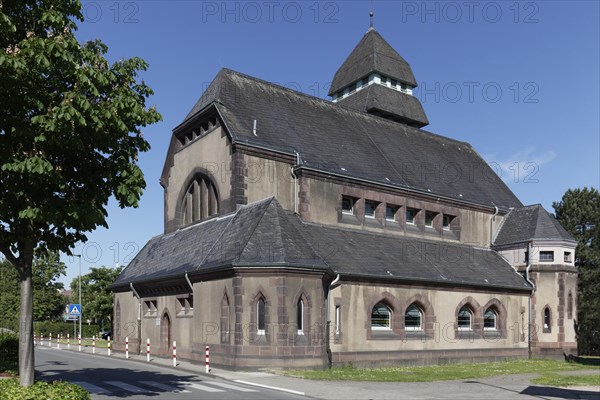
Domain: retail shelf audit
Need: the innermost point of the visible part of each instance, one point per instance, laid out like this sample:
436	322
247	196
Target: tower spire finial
371	16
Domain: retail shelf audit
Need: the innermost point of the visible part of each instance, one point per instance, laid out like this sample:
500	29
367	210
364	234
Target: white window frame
546	253
415	212
382	328
465	328
371	216
395	208
451	218
337	320
430	213
300	313
492	328
259	331
352	204
414	328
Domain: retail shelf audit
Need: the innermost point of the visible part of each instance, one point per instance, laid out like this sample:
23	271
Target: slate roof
530	223
378	98
336	140
372	54
257	234
264	234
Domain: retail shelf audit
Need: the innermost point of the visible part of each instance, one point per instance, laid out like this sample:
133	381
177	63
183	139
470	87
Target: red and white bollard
58	340
126	346
148	350
207	362
50	340
34	339
94	344
79	341
68	341
42	339
174	353
108	348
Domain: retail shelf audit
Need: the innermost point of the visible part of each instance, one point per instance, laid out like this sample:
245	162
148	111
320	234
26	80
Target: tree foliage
70	135
97	299
579	213
48	302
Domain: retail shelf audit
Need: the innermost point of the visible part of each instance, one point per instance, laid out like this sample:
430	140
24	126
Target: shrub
9	345
57	390
9	353
55	327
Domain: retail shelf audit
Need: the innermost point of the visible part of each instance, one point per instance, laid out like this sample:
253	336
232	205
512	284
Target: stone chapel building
300	232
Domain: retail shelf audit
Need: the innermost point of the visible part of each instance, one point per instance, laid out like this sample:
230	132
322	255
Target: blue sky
517	80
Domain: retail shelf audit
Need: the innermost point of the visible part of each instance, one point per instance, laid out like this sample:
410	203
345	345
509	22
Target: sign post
75	312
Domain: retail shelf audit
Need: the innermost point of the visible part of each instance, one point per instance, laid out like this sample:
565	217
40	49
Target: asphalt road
107	378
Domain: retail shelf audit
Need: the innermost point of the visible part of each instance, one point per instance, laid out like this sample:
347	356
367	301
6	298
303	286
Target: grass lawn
440	372
85	342
553	379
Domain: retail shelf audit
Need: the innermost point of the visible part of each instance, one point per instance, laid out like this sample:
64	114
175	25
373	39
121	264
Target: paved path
493	388
499	387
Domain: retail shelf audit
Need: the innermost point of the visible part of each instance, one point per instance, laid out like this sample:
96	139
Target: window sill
468	334
184	315
492	334
384	335
415	335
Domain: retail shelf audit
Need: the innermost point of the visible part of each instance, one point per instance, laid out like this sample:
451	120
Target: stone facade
274	310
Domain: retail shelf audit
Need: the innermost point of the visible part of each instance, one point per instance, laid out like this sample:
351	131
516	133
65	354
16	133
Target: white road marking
166	388
270	387
202	387
127	387
92	388
232	387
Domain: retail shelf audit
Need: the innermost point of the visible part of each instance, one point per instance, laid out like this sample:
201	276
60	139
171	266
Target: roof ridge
243	248
233	216
335	106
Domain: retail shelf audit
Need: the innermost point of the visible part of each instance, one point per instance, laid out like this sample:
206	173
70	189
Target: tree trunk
26	357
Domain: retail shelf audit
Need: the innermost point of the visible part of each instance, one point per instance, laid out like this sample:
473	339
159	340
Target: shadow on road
560	393
102	377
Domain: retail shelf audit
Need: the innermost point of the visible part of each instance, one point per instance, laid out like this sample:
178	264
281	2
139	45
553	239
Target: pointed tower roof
372	54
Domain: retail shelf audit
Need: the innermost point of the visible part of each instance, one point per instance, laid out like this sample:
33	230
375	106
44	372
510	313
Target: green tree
48	302
9	296
70	135
97	298
579	213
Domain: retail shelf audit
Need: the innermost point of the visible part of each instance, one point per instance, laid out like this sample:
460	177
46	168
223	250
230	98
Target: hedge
9	354
9	345
54	327
58	390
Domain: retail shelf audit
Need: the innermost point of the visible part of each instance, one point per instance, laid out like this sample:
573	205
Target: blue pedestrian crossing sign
74	310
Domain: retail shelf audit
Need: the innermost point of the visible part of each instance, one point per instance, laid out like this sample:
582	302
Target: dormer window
567	257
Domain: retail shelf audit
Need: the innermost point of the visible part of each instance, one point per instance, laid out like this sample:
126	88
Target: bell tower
375	79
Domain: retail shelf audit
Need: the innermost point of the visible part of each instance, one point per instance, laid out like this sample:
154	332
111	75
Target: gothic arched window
200	200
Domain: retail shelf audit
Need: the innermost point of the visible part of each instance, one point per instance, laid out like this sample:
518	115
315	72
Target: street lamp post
80	307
